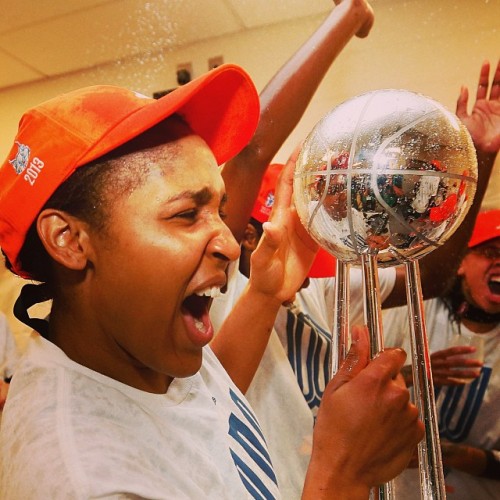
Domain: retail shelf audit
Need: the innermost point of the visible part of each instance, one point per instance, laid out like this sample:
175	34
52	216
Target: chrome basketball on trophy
383	179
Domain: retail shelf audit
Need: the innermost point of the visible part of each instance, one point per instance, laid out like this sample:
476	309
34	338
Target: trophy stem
373	318
429	450
372	305
340	331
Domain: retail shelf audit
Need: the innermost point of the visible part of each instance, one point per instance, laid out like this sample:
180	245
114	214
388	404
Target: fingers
458	362
365	29
484	75
387	364
269	243
482	89
457	376
284	188
368	416
452	351
357	358
462	101
384	367
495	86
365	13
457	356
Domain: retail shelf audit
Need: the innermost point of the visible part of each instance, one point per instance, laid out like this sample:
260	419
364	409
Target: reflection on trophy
383	179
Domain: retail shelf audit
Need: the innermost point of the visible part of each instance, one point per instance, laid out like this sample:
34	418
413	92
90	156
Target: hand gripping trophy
383	179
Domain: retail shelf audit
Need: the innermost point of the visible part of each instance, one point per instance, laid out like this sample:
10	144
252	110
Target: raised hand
282	259
483	122
365	15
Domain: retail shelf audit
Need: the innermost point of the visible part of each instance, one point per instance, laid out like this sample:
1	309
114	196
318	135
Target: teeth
495	279
199	325
213	292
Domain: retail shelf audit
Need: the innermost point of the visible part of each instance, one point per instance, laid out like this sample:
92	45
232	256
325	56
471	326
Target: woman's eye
222	214
188	214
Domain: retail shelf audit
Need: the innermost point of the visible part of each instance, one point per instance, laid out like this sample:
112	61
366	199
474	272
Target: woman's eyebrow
201	197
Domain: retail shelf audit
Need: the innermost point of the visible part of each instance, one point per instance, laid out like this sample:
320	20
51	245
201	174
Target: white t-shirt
9	353
285	398
70	432
467	414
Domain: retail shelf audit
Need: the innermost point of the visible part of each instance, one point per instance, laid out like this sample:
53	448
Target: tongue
198	325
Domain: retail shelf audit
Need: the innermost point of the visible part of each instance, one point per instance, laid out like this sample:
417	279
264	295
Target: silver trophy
382	180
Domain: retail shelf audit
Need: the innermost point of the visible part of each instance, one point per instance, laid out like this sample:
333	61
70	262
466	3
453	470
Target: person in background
467	389
119	394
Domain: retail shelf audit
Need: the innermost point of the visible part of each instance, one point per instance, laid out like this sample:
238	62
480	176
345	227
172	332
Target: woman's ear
64	237
250	238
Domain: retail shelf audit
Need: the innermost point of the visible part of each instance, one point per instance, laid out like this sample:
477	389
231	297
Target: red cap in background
487	227
324	263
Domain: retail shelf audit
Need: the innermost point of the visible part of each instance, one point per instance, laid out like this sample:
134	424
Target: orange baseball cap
265	199
64	133
487	227
324	263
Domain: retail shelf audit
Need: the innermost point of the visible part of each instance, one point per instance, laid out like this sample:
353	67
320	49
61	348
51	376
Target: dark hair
80	195
257	226
88	192
453	300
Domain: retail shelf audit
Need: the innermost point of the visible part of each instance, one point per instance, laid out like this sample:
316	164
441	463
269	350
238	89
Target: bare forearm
244	335
440	266
289	92
324	485
316	488
438	269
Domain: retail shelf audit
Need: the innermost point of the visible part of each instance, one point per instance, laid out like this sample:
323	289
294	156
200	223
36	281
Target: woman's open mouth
195	313
494	284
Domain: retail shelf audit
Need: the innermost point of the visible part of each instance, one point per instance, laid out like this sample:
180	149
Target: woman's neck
476	327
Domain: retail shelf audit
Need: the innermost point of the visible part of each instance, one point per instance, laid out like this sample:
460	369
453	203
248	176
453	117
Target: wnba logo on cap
265	199
268	204
20	162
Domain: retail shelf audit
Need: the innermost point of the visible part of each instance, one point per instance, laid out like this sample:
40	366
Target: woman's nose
224	245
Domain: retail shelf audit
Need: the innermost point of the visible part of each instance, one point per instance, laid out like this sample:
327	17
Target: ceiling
44	38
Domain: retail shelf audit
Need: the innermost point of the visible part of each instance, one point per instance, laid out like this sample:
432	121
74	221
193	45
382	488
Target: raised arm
279	266
283	102
439	267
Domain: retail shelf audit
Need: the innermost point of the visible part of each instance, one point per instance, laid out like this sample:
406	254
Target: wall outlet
187	66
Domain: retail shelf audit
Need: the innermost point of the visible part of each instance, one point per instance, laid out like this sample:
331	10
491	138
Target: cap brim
221	106
486	227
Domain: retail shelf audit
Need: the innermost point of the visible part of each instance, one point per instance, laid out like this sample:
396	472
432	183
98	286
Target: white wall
429	46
